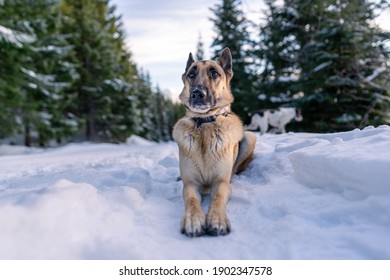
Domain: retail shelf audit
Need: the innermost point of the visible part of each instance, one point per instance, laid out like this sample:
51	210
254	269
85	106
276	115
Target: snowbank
305	196
137	140
346	162
17	150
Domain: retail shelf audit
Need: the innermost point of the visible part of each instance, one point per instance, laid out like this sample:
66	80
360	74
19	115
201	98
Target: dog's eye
192	74
214	74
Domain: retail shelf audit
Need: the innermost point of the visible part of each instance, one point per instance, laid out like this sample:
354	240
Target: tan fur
210	153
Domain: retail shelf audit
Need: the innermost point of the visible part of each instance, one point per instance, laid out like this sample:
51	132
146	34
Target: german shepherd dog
212	144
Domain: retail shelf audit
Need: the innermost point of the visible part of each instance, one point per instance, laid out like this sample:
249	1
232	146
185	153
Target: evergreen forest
66	74
327	57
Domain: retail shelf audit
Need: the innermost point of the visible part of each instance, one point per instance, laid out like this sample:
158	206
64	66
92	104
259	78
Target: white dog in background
278	119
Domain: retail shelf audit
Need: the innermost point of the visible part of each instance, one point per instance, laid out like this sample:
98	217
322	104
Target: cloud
160	34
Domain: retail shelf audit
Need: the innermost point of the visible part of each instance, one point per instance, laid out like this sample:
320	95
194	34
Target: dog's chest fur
207	138
211	140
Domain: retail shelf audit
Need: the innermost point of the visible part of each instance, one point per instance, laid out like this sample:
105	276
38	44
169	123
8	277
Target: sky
160	34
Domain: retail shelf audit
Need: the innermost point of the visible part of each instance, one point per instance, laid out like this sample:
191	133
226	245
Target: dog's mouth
200	101
200	108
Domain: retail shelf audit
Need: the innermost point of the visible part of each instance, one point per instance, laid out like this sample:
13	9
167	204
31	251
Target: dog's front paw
193	223
217	223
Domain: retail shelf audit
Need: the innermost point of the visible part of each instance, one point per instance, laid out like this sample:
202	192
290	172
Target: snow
353	165
376	73
16	150
292	12
287	79
15	37
305	196
322	66
136	140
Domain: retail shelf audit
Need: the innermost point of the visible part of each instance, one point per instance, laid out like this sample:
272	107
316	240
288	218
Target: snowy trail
305	196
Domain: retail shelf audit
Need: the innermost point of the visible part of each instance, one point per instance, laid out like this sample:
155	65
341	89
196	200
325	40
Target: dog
212	144
278	118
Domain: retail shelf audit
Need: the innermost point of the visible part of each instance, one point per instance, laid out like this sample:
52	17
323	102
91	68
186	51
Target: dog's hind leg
245	152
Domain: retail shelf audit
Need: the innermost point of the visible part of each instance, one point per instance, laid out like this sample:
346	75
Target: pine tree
53	73
64	65
121	119
199	53
278	55
85	33
39	88
14	40
104	92
347	52
335	55
231	31
146	106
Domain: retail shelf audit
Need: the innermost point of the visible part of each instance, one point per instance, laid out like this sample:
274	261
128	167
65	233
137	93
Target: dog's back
277	118
259	120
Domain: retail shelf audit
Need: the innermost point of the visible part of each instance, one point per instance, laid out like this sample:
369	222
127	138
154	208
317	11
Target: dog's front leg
194	220
217	222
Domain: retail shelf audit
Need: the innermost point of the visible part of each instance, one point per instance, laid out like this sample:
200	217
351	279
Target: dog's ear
189	62
225	60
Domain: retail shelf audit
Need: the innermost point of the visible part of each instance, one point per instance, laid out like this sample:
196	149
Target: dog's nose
197	94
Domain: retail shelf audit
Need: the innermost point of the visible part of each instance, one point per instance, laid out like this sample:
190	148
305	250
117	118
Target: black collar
208	119
199	121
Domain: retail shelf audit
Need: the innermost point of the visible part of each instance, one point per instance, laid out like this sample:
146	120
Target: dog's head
207	84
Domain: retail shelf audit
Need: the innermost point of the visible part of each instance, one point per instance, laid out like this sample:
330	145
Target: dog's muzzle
198	94
200	99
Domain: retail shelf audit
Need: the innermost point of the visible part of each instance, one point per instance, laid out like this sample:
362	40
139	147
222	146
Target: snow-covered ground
305	196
